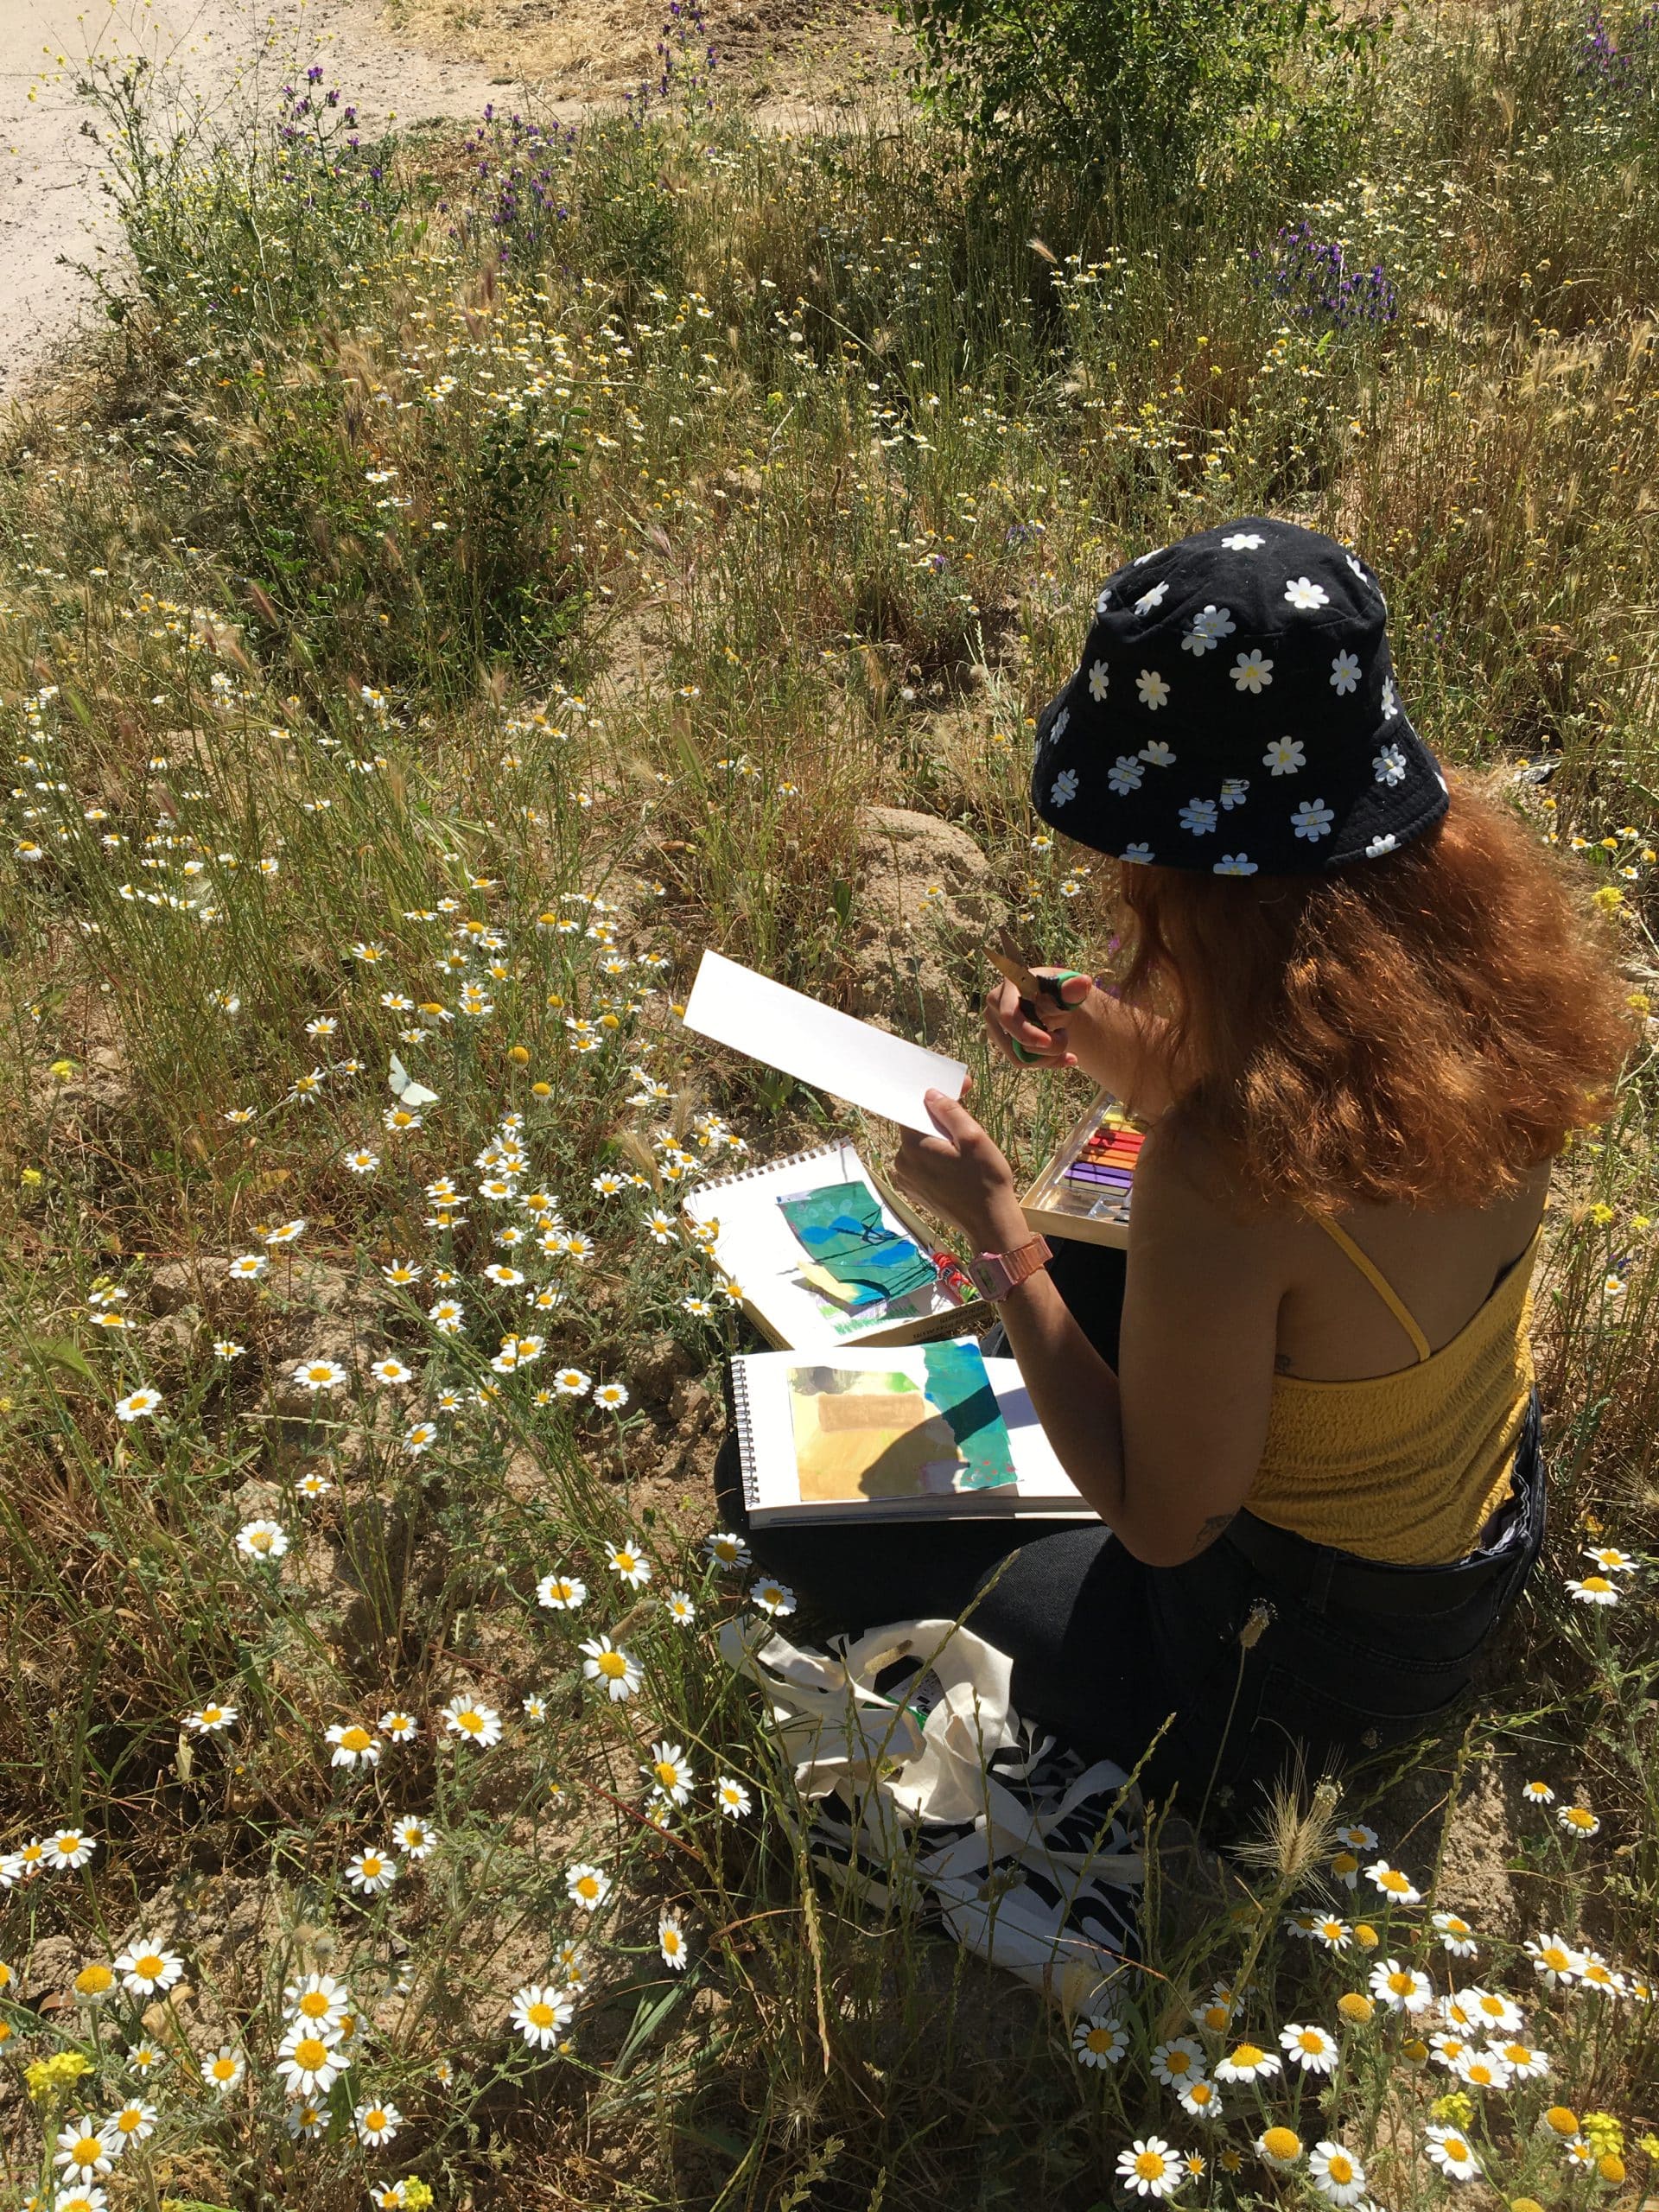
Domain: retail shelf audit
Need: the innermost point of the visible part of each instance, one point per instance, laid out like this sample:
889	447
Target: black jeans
1232	1672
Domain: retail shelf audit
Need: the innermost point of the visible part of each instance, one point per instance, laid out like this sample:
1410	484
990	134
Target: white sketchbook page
818	1045
757	1248
772	1432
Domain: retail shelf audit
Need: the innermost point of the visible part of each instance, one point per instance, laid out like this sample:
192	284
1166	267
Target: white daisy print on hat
1285	756
1157	754
1378	846
1198	815
1391	698
1210	625
1234	792
1149	600
1235	864
1251	671
1125	774
1056	727
1303	592
1099	676
1155	691
1244	541
1389	765
1063	789
1139	853
1344	674
1312	819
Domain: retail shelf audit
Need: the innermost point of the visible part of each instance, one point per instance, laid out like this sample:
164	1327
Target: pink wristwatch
994	1275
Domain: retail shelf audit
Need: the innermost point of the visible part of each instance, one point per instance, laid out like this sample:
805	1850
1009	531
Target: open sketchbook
923	1432
758	1248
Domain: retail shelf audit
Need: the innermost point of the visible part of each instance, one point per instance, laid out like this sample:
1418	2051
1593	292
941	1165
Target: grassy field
478	575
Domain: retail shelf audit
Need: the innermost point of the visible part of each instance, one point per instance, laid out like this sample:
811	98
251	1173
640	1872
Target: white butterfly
407	1091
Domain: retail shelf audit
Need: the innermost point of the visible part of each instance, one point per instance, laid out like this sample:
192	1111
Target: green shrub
1118	91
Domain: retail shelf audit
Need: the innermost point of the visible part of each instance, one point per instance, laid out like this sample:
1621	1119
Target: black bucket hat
1234	711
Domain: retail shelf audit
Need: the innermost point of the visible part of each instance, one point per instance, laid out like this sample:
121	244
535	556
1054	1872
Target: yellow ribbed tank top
1405	1467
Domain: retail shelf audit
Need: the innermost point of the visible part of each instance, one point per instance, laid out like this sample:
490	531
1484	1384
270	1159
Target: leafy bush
1115	90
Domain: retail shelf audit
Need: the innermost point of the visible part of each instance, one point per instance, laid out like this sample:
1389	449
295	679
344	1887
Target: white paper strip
817	1044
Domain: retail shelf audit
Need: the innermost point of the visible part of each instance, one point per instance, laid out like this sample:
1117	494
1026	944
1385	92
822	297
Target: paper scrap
818	1045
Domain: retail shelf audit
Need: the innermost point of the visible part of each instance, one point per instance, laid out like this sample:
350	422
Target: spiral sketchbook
813	1243
923	1432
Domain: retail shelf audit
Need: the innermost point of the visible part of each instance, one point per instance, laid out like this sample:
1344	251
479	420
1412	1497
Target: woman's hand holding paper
961	1175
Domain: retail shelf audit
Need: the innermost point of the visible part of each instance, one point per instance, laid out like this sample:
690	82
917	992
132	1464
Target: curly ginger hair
1424	1029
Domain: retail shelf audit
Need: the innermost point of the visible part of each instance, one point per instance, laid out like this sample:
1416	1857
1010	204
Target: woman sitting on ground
1361	1013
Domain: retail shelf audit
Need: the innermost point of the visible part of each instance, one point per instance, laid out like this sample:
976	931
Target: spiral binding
742	1421
768	1168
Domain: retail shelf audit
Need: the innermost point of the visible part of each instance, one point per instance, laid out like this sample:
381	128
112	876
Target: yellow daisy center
613	1665
1394	1882
1341	2169
625	1562
1401	1984
1310	2039
1456	2148
313	2005
355	1739
1555	1959
666	1772
540	2014
470	1721
224	2069
91	1980
129	2119
1576	1817
1492	2006
1282	2143
1177	2061
587	1887
374	2118
210	1713
1200	2093
1597	1582
372	1866
310	2051
1098	2039
1150	2165
1344	1862
1246	2054
1353	2006
88	2149
147	1966
1216	2017
670	1939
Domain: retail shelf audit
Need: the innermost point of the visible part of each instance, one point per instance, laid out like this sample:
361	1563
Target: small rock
925	896
656	1369
199	1281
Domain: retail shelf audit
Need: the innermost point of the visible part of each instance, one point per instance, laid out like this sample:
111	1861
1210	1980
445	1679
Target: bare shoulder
1184	1198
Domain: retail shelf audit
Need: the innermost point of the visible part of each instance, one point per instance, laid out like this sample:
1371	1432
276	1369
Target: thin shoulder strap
1379	1282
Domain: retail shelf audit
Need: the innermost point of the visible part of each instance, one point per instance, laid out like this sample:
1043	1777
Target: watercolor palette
1086	1188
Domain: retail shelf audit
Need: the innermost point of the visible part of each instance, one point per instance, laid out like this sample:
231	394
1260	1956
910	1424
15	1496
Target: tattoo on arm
1211	1529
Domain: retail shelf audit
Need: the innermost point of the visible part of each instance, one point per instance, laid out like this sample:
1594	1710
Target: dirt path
796	63
51	208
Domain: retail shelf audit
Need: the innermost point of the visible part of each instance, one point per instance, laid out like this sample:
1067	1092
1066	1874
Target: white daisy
146	1965
731	1797
1312	819
1177	2061
1210	625
1099	677
605	1663
1153	598
1451	2153
1344	674
1336	2173
1153	689
1157	754
1285	756
628	1561
1248	2062
1310	2048
475	1724
561	1593
1244	541
1389	765
1402	1988
137	1405
775	1598
1251	672
1150	2168
1099	2039
540	2011
588	1887
377	2122
671	1942
1455	1934
1302	591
